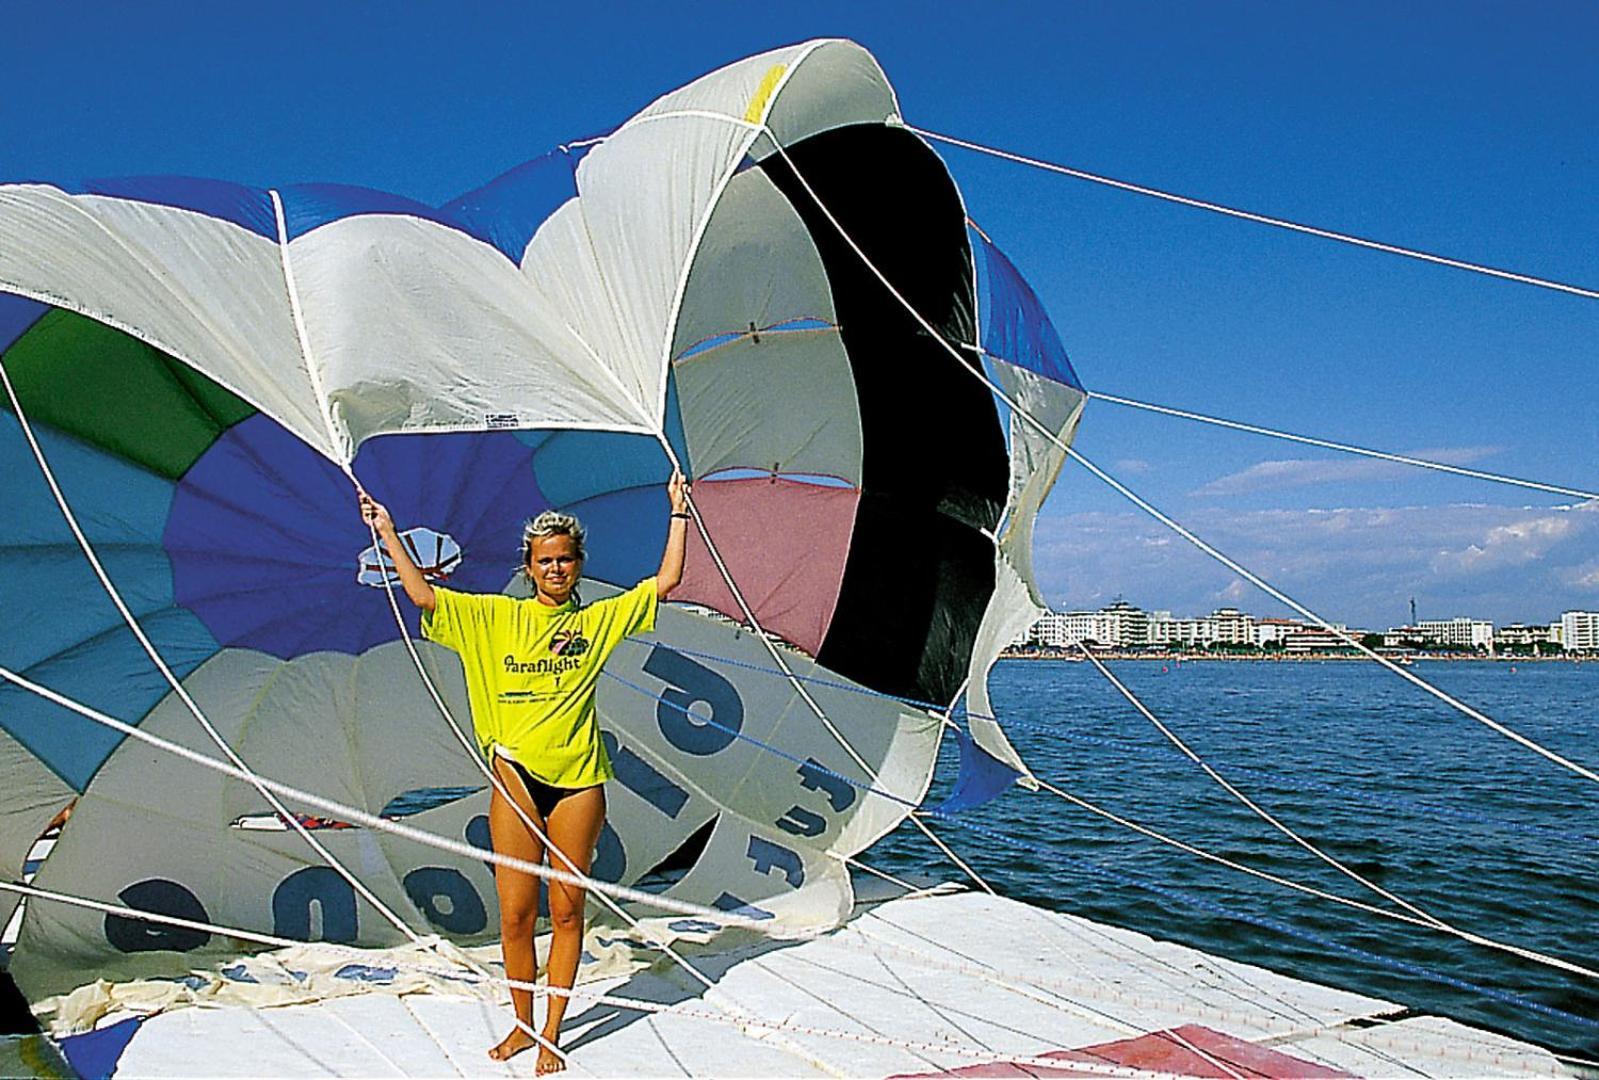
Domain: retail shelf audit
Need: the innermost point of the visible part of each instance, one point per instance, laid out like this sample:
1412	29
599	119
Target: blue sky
1467	129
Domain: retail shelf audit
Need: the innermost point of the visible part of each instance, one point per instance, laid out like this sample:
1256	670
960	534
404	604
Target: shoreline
1076	657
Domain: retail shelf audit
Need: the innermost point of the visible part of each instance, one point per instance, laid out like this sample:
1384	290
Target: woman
531	671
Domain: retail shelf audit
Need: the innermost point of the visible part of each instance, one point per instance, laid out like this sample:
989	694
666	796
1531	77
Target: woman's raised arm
416	586
670	574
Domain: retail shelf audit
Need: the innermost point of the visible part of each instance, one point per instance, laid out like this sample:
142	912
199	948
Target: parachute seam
303	335
755	131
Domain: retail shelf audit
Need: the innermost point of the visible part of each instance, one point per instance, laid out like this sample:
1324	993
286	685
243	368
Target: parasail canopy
206	366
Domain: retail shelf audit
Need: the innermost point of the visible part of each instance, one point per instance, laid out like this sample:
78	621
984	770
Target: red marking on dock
1161	1051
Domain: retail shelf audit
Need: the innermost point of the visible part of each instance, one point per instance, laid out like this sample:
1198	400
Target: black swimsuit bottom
544	796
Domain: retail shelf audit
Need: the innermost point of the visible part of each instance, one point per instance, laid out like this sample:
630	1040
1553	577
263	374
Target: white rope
1254	807
1248	575
1262	219
1348	448
302	335
356	816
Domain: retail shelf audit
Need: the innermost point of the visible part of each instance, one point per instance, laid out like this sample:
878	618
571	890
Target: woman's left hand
677	490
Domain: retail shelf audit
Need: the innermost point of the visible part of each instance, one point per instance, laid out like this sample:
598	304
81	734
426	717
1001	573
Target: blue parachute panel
982	777
84	649
260	505
509	209
17	314
627	532
94	1054
573	466
111	673
310	206
1016	328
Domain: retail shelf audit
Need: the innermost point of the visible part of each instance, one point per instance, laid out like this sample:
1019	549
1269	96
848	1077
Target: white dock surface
924	984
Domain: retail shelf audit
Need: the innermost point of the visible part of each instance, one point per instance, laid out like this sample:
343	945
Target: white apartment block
1518	634
1120	625
1233	627
1309	639
1472	633
1579	631
1274	631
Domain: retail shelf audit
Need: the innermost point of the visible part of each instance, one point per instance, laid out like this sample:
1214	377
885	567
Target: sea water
1415	797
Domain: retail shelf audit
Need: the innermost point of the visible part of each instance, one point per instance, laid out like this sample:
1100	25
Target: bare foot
513	1044
548	1062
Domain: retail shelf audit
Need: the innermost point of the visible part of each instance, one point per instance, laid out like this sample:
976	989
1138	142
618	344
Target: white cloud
1304	472
1132	467
1358	564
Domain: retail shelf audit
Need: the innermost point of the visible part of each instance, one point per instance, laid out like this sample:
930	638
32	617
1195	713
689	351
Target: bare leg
574	827
519	900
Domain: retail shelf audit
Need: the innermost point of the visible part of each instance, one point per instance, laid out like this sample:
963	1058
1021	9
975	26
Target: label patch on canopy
436	554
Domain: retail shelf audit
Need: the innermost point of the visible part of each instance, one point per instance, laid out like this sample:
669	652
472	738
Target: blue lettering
478	835
321	886
768	856
644	779
729	902
688	684
610	859
802	822
447	899
159	897
817	777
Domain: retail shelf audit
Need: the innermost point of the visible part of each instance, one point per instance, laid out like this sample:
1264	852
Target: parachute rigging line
1222	860
1056	731
1403	966
1281	223
1381	455
1175	526
1417	918
356	816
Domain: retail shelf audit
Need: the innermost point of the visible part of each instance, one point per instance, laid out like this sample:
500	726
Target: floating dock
924	985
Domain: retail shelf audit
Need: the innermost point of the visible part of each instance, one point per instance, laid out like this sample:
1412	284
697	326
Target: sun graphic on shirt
569	643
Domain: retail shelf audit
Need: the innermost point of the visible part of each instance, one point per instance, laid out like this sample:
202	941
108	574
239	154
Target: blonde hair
550	523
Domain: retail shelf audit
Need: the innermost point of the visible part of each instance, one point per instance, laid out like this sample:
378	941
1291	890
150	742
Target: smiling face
554	566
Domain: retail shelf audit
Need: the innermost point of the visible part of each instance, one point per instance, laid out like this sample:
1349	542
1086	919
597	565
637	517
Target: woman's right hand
376	515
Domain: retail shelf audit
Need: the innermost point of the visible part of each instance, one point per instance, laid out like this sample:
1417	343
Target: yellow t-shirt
531	672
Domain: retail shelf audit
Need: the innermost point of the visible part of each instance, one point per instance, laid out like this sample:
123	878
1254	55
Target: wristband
680	514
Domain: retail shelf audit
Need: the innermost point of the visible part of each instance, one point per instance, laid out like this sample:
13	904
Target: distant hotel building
1579	631
1121	625
1472	633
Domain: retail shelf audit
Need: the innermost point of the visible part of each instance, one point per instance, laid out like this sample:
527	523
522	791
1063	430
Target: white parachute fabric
681	295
